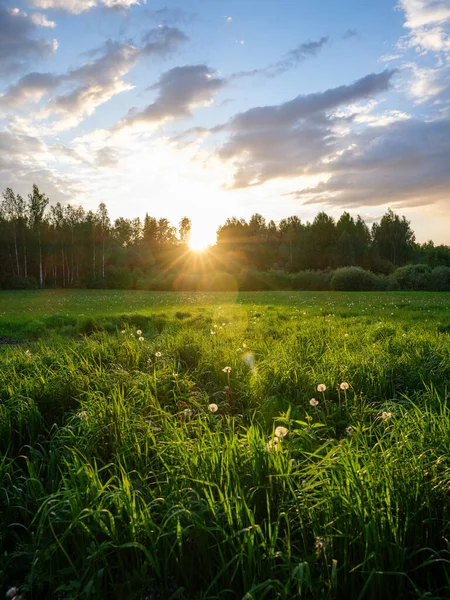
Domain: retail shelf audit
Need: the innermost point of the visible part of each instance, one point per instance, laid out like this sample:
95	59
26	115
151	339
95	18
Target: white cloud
79	6
41	20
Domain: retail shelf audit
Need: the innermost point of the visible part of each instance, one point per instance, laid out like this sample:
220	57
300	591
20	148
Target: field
221	446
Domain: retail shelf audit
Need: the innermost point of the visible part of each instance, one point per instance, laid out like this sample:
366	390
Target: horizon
230	109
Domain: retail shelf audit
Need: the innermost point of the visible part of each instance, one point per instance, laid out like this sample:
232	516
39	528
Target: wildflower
139	332
12	592
123	331
157	354
213	332
344	385
226	389
82	415
345	334
132	334
321	543
141	339
28	353
213	408
386	415
281	432
272	444
226	370
374	345
188	413
321	387
349	431
314	402
223	324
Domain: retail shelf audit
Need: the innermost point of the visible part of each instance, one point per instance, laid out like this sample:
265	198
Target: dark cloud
179	91
162	41
291	60
18	42
295	137
403	164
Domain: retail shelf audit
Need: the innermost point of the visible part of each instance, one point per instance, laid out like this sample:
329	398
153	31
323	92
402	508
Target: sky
220	108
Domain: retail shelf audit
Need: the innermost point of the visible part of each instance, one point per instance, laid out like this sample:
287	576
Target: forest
44	245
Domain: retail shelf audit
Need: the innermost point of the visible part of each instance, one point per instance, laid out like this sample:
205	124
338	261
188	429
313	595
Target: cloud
107	157
41	20
162	41
180	90
350	33
404	165
92	84
291	60
18	44
171	16
21	158
293	138
79	6
30	89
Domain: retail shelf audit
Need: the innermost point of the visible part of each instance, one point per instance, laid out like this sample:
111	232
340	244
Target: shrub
440	279
353	279
311	280
413	277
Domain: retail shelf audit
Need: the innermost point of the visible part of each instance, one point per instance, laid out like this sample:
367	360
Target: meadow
206	446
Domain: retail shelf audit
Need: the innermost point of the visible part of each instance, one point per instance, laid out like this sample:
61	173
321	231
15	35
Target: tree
184	229
393	238
37	204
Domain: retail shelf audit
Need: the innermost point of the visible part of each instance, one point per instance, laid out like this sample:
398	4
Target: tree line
53	245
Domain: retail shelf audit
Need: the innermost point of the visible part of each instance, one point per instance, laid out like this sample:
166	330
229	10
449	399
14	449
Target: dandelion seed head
344	385
123	331
141	339
281	432
349	431
386	415
12	592
158	354
314	402
226	369
321	387
139	332
213	408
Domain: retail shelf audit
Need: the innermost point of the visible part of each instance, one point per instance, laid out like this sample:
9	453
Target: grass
117	480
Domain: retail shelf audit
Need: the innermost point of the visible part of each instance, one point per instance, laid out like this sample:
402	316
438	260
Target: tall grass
117	480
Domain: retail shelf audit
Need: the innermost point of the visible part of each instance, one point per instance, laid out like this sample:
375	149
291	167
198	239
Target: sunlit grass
194	463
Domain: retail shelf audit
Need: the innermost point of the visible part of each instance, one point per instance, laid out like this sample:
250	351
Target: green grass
117	481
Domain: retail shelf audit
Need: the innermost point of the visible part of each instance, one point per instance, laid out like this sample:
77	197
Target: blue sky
213	108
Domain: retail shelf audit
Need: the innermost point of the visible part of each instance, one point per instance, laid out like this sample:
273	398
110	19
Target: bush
311	280
354	279
440	279
413	277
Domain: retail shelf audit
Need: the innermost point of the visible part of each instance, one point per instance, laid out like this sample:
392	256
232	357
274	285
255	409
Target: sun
201	238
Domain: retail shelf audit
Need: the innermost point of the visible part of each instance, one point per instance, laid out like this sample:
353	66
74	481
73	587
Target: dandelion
158	354
344	385
139	332
12	592
141	339
281	432
123	331
188	413
227	370
349	431
314	402
386	415
272	444
345	334
226	389
321	387
28	353
213	408
213	332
